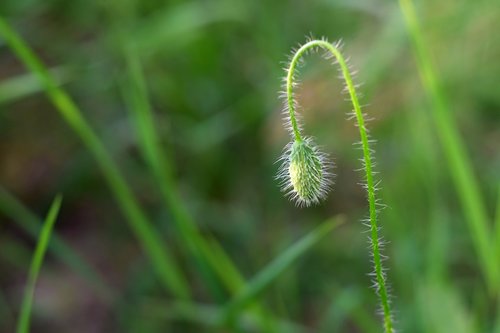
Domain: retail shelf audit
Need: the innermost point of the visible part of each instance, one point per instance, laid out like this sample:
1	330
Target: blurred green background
183	95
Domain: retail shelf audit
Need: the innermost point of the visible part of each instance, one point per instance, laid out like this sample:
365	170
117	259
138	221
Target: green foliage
270	273
171	209
23	323
162	261
453	147
31	224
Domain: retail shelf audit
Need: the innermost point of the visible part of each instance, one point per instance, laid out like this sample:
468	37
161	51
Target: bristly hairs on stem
305	173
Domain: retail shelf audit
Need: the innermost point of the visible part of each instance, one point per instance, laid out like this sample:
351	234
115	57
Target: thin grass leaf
207	316
23	323
176	26
235	282
167	270
223	266
454	150
31	224
206	253
347	306
497	227
272	271
28	84
496	328
443	310
136	97
209	255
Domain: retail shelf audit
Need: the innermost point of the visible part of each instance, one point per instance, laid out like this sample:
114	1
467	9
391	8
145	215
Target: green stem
368	167
289	91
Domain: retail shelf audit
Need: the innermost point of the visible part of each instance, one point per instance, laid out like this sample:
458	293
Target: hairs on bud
305	173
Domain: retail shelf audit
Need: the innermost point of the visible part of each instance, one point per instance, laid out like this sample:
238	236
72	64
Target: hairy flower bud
304	172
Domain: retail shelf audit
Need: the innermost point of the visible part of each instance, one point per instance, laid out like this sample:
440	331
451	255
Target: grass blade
454	150
207	316
36	263
496	327
167	270
497	226
269	273
28	84
136	97
223	266
31	224
174	27
210	257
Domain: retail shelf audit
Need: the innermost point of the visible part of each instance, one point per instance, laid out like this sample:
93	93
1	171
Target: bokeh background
210	72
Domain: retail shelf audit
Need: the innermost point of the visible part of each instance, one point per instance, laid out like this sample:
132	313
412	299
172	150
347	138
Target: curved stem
370	186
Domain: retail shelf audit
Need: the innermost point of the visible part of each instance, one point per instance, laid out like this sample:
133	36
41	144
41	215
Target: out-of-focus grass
269	273
497	225
209	256
142	118
28	84
165	266
23	323
454	149
10	206
209	74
